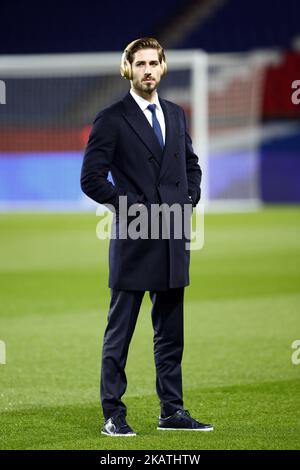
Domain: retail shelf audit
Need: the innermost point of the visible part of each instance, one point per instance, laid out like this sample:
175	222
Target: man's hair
144	43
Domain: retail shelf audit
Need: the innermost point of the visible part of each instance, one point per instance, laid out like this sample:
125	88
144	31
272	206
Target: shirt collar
143	104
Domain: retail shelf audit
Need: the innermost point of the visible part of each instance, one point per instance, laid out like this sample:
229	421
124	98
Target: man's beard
147	87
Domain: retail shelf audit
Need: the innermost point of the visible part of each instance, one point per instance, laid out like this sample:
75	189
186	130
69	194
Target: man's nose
147	69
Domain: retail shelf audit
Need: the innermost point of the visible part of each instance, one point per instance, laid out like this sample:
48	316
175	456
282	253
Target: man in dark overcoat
143	142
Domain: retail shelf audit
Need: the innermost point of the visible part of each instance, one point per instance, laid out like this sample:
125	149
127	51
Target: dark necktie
155	125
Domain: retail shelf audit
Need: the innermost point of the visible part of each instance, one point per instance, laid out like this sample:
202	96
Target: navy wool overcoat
123	142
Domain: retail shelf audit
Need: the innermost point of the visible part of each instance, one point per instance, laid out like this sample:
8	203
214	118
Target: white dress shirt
143	104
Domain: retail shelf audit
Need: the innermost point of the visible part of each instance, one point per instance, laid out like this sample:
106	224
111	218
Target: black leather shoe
117	427
182	421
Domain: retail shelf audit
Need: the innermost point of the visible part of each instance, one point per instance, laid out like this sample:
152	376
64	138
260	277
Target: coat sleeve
97	161
193	170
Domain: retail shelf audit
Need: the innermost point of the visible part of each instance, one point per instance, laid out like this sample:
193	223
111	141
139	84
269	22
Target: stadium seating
106	26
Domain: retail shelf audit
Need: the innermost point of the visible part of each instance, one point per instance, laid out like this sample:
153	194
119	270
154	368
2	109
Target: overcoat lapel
171	131
140	125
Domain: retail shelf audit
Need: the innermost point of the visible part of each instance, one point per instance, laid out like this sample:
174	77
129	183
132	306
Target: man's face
146	71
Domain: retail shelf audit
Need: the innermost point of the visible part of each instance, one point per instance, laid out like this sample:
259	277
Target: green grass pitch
242	313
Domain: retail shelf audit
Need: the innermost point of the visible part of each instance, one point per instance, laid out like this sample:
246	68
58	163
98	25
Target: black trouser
167	320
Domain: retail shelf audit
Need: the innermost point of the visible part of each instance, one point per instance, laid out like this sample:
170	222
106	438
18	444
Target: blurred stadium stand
239	26
212	25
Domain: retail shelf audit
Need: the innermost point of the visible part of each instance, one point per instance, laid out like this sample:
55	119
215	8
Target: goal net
51	101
